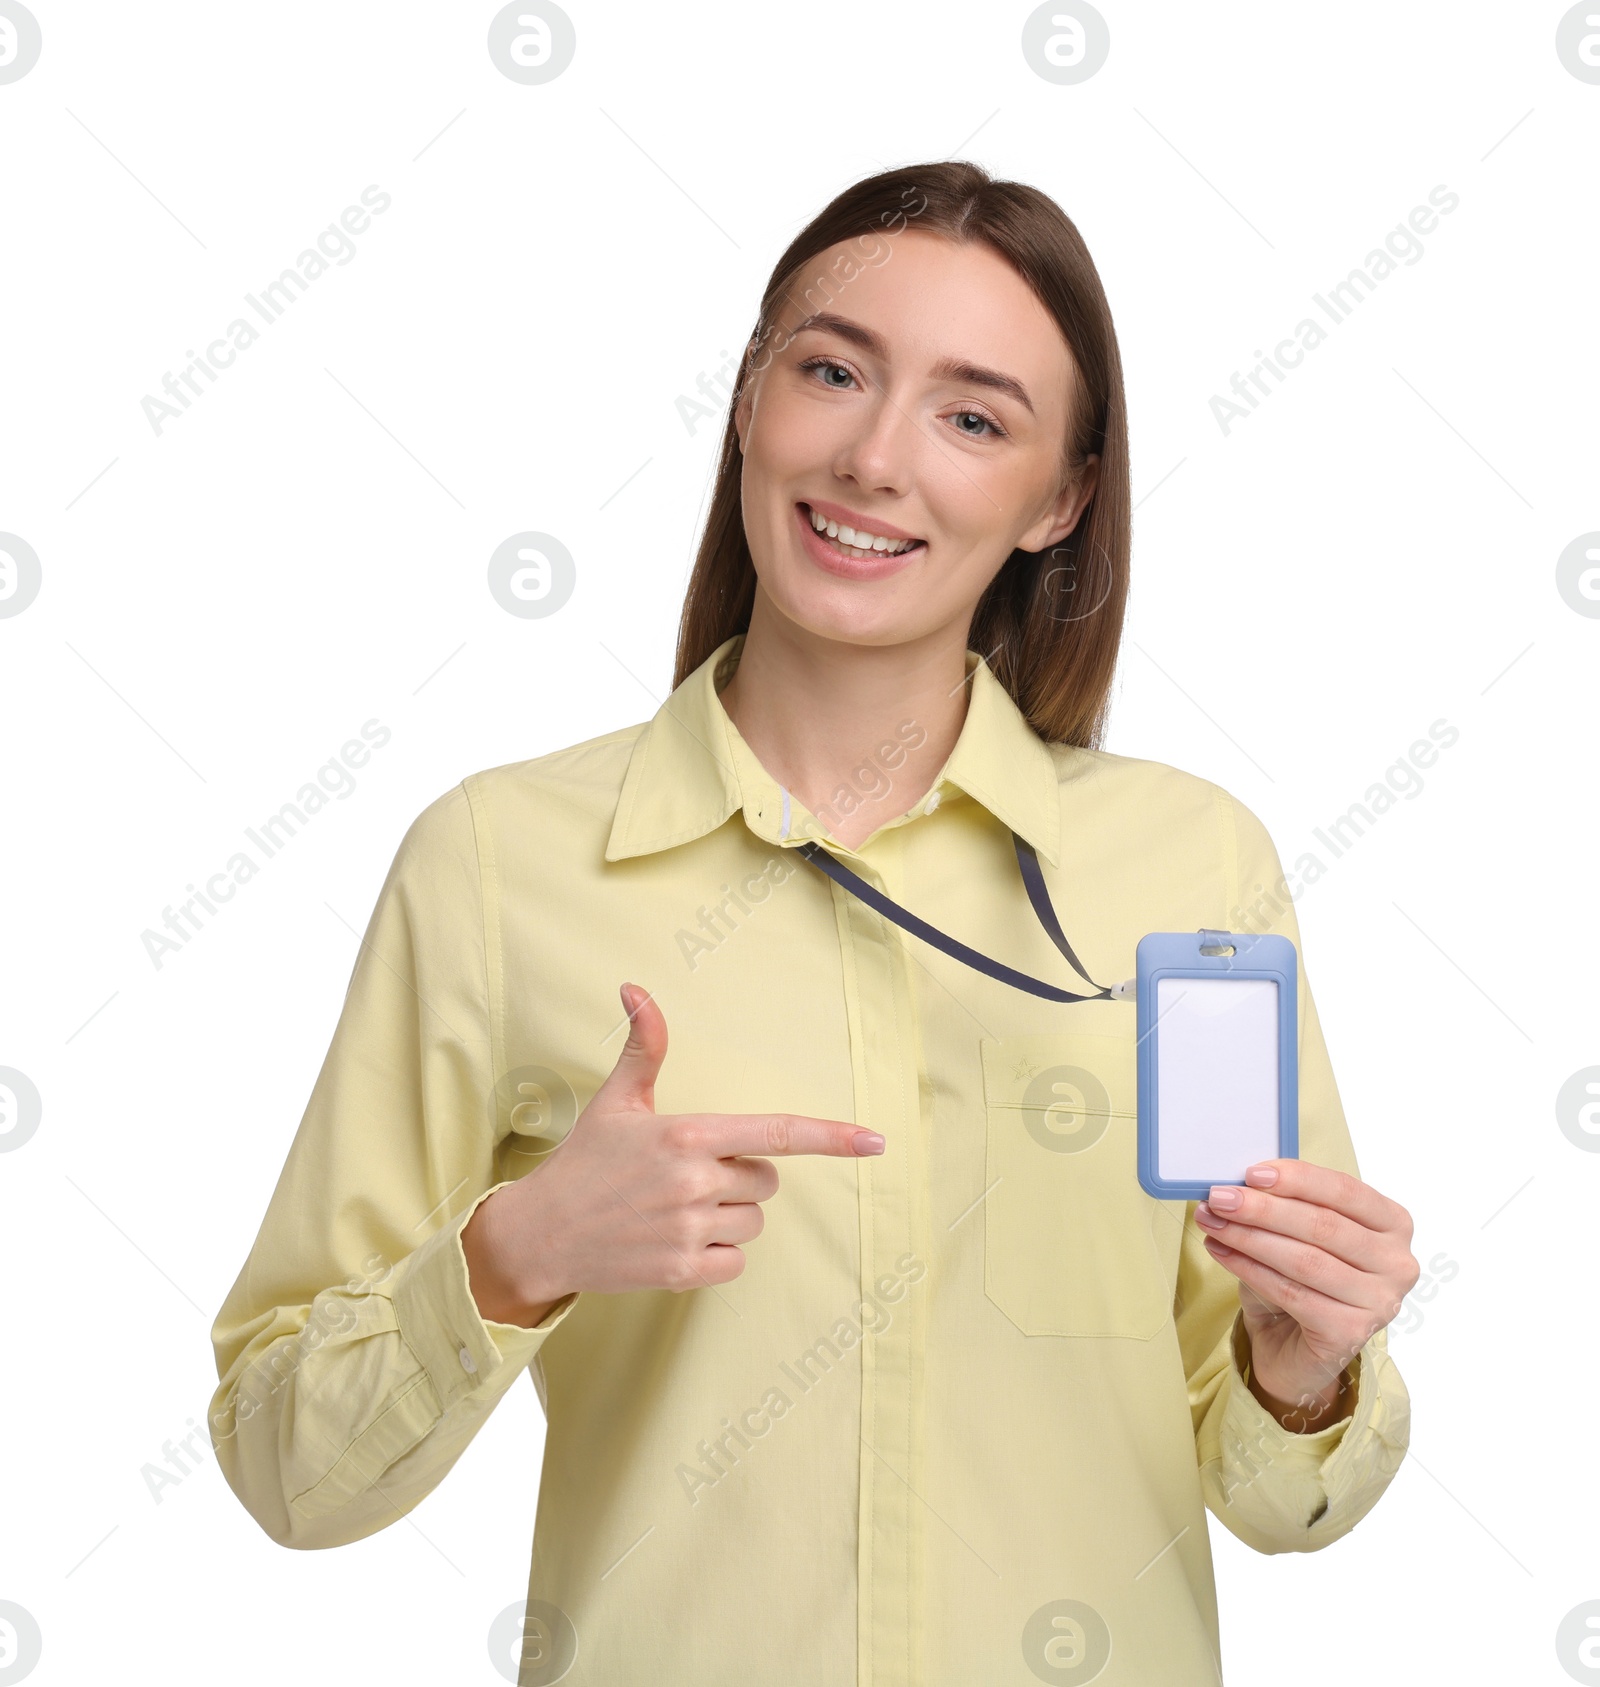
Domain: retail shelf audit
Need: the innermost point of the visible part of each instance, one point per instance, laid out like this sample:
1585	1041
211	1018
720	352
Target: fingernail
629	999
1263	1177
1223	1197
868	1142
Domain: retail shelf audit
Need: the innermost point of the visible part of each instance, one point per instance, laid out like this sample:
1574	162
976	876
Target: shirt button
932	803
468	1363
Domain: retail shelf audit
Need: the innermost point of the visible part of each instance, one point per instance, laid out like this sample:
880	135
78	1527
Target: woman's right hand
633	1199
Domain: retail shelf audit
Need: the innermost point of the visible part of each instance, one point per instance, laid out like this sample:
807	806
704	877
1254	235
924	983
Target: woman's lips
822	551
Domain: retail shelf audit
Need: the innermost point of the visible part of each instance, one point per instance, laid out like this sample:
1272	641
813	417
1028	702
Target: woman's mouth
855	552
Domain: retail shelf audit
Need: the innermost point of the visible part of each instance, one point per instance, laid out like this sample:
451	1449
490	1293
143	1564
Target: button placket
886	1044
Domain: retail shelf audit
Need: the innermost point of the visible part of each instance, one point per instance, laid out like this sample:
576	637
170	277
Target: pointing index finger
786	1134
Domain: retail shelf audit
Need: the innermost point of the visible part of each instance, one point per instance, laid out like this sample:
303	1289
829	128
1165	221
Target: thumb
632	1082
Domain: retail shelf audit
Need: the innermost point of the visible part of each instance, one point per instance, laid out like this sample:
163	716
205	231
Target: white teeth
857	539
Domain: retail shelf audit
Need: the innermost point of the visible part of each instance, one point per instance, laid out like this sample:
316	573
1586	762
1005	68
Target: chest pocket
1069	1236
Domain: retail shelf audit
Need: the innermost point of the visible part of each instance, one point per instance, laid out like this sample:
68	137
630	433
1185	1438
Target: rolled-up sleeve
1276	1490
354	1365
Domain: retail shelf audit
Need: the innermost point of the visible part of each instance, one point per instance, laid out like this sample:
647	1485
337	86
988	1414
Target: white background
223	605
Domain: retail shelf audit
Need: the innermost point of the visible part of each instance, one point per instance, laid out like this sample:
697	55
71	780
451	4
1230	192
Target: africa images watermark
171	1474
1403	778
334	779
867	782
1441	1269
1400	245
334	246
846	266
754	889
871	778
866	1317
332	1313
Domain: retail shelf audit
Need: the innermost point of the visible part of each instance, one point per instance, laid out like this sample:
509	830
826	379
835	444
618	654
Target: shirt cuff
1283	1470
439	1319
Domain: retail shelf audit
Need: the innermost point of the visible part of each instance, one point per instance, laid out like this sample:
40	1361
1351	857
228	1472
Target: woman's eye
825	368
822	365
977	416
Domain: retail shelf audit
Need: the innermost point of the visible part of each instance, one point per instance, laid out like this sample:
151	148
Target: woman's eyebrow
975	374
947	368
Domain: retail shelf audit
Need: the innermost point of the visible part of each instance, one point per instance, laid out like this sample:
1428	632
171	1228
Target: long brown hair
1050	623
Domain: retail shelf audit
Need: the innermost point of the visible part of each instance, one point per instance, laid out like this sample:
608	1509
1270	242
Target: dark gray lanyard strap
1032	878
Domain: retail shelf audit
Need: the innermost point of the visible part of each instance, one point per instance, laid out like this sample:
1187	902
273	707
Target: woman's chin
848	617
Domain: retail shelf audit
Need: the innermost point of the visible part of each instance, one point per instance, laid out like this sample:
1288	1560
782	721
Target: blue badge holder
1217	1062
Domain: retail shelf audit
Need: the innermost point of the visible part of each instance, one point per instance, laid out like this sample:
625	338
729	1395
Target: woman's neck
857	732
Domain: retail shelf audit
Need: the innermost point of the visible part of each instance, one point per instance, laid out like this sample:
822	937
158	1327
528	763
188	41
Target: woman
952	1415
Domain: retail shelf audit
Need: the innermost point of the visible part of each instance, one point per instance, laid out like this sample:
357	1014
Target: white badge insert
1217	1077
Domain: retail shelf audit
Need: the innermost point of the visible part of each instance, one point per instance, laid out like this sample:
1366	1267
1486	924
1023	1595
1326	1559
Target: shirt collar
690	769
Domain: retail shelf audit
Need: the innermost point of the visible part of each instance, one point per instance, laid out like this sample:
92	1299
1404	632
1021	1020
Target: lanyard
1033	880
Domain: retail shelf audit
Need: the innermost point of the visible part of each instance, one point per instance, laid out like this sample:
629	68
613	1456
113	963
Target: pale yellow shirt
959	1421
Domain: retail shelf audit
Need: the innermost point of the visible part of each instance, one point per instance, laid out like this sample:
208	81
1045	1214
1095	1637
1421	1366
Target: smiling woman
980	341
898	641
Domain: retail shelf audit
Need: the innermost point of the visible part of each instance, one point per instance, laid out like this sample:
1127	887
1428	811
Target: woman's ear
1069	506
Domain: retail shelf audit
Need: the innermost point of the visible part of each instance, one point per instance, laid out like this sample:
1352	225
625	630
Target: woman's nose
877	451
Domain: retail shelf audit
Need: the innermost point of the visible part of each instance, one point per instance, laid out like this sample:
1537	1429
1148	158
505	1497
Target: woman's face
928	399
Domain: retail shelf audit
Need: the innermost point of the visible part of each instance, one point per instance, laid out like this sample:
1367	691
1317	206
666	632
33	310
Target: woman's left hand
1323	1262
